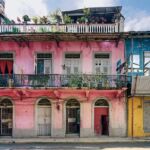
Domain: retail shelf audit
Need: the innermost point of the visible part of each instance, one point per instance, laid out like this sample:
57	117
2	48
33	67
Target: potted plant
35	20
67	19
26	19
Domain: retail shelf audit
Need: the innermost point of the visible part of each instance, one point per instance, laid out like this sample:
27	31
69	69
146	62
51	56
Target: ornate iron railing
72	80
66	28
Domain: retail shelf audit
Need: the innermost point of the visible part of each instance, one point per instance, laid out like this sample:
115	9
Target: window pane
40	66
6	55
147	59
44	55
135	61
102	56
72	56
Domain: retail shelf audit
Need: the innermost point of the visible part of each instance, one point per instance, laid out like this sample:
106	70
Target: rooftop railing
63	28
60	81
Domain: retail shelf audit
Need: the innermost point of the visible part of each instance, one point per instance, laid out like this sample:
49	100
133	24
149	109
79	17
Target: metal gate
72	117
44	118
6	115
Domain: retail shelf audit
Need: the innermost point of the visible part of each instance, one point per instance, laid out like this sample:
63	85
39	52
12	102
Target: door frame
67	123
36	114
65	115
109	114
13	113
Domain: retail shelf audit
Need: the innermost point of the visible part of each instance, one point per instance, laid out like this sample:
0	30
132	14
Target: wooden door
44	121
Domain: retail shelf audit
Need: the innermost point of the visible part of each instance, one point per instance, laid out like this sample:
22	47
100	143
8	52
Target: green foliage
75	81
26	18
56	17
35	19
67	19
82	19
43	20
86	12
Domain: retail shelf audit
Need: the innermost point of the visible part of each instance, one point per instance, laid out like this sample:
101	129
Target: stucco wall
135	124
25	57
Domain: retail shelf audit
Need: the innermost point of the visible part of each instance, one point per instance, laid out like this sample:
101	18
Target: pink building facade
82	94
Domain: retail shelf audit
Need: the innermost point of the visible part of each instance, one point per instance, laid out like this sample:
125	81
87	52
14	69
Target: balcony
62	28
62	81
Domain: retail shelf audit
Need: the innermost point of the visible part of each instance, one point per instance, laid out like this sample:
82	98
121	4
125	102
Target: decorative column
86	119
57	129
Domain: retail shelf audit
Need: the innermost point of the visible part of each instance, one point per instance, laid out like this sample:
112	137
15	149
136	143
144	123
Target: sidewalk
6	140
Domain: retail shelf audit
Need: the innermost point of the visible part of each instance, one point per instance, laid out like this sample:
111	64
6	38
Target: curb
82	141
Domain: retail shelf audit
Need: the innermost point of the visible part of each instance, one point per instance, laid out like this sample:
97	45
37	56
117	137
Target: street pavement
73	146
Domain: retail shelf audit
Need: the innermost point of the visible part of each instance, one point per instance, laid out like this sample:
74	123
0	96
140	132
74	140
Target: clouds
16	8
138	22
135	19
98	3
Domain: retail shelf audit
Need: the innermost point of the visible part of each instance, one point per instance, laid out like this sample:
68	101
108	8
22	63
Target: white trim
36	113
80	60
110	60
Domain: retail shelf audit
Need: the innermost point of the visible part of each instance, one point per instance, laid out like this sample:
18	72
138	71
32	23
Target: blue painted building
137	53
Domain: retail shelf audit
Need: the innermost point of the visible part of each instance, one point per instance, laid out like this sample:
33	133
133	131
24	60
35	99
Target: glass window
102	63
147	63
135	61
44	63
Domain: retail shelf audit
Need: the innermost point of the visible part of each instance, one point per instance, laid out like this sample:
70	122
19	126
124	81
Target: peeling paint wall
25	57
25	108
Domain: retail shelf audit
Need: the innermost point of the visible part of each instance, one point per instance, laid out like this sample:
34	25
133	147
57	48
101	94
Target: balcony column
116	27
87	28
86	119
57	125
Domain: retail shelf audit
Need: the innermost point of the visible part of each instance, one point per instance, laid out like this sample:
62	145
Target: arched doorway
44	118
72	117
101	117
6	117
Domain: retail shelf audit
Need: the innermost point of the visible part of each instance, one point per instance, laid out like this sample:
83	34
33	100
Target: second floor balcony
62	28
64	81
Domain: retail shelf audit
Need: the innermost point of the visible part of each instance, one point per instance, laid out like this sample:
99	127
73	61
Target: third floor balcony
62	28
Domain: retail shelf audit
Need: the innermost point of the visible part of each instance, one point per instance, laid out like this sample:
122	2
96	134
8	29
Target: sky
136	12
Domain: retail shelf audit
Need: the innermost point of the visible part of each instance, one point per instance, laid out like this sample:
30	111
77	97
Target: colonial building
138	58
61	80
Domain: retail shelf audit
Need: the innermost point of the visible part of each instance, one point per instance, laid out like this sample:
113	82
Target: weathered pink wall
86	116
24	115
25	57
57	116
25	64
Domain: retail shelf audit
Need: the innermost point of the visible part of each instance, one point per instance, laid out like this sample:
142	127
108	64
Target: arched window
6	102
101	102
73	102
44	102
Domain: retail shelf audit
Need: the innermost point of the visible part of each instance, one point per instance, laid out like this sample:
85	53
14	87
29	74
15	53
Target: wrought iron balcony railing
72	80
64	28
